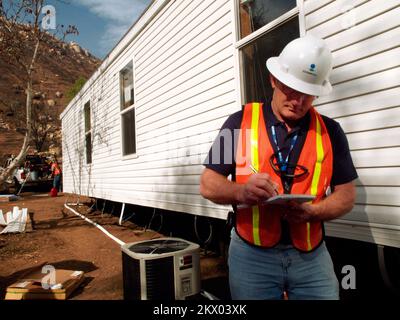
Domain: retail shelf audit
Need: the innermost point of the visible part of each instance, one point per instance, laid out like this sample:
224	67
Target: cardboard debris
30	286
14	221
3	221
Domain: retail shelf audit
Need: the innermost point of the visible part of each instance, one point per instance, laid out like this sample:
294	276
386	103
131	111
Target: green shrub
76	87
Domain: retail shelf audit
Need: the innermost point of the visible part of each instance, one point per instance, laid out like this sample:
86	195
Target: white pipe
382	267
208	295
122	213
95	224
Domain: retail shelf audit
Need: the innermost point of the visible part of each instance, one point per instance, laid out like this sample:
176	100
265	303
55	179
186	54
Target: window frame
131	108
239	44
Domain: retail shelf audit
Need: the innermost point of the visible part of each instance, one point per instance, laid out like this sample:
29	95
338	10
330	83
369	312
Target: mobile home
140	129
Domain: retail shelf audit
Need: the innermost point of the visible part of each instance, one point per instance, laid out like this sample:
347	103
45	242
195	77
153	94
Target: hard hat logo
311	70
304	65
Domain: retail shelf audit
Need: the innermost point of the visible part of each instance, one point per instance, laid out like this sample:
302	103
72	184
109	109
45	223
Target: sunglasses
282	168
287	91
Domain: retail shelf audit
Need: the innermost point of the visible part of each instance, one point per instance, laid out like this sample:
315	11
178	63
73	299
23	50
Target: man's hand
335	205
219	189
300	212
259	187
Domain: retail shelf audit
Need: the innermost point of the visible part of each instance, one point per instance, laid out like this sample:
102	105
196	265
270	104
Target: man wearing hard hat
283	147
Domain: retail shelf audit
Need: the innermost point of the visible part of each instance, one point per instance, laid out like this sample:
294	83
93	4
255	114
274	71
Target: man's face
290	104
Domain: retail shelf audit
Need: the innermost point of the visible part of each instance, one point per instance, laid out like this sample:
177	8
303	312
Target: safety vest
260	225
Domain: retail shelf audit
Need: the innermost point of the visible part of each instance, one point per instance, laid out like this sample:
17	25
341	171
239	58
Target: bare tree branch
21	41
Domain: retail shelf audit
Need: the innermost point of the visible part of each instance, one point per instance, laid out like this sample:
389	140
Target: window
127	110
275	32
88	133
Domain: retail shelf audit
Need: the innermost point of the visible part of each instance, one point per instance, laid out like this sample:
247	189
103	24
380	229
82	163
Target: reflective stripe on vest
317	174
261	225
255	163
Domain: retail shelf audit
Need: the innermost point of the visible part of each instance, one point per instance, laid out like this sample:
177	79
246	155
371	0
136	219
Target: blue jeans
57	181
259	274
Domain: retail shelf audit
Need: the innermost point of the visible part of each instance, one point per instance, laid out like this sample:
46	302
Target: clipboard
283	199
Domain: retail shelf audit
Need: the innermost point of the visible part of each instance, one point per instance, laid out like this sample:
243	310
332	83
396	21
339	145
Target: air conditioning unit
162	268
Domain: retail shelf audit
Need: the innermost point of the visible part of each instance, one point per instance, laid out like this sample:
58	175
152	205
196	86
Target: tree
21	37
43	124
76	87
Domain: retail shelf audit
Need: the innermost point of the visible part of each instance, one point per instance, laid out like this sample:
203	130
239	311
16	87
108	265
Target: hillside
59	65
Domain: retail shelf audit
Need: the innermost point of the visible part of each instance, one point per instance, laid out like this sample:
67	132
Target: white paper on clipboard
285	198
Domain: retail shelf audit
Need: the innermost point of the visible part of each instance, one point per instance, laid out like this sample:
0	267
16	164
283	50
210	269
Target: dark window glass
126	85
128	132
88	135
254	56
88	144
255	14
87	116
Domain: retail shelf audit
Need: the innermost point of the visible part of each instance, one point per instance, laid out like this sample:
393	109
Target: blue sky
101	23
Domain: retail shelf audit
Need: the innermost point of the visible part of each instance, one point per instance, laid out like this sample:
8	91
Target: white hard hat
304	65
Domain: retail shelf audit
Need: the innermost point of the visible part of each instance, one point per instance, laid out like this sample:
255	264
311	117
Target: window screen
128	110
88	133
255	14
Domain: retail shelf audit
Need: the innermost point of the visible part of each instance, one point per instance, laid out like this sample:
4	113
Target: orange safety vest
260	225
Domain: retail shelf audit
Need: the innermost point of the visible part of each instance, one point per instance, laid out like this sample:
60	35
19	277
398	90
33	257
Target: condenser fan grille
158	246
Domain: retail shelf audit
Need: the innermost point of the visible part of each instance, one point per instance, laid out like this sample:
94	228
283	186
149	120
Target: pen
256	171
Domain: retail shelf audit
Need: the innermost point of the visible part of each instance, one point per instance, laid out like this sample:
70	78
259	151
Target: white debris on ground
14	221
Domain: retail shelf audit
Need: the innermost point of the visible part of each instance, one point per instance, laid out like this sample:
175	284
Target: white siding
365	101
184	90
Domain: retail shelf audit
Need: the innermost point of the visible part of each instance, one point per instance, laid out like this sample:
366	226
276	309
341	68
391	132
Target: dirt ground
10	142
64	240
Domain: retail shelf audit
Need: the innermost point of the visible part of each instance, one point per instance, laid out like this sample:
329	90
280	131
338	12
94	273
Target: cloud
111	36
119	15
116	10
